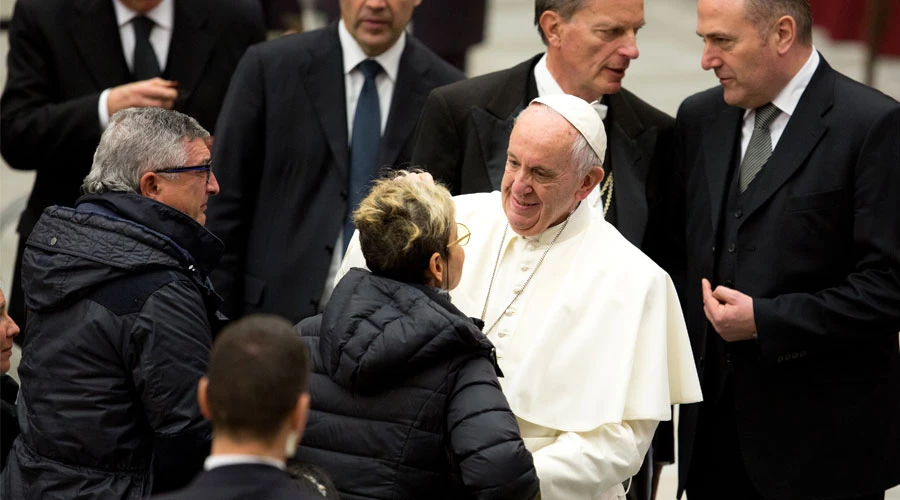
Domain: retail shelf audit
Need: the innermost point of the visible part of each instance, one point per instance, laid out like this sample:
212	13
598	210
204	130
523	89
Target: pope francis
588	330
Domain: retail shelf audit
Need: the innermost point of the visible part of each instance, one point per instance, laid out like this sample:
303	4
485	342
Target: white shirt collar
547	85
353	54
163	14
214	461
787	100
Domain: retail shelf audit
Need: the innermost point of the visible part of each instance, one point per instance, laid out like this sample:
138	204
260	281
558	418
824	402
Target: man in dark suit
792	288
73	63
294	158
447	28
258	412
464	130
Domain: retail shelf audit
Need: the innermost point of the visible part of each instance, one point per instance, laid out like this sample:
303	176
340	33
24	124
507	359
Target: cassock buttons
509	311
502	333
731	248
517	290
525	267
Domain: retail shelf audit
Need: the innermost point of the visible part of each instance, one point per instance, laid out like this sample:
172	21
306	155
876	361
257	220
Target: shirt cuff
103	109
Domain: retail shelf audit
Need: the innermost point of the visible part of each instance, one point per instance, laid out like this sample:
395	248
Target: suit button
714	249
731	248
738	213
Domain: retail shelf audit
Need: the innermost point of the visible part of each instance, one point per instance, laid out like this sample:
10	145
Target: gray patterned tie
760	147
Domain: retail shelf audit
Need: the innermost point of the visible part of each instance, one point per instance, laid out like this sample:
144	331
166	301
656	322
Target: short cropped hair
137	141
762	13
402	223
565	8
257	370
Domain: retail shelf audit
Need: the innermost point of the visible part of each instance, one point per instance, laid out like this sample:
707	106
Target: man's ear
202	400
435	271
300	414
150	185
589	182
785	34
550	23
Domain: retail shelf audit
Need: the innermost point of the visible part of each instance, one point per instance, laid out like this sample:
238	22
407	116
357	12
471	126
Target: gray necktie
760	147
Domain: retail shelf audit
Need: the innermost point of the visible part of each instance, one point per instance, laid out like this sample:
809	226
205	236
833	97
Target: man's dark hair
565	8
763	13
258	368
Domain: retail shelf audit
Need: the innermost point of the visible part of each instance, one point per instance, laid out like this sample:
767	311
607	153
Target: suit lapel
629	147
803	132
192	45
719	140
409	96
95	32
493	137
494	123
323	80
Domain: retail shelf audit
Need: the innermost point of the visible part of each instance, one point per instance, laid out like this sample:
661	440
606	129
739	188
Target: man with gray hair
594	350
121	320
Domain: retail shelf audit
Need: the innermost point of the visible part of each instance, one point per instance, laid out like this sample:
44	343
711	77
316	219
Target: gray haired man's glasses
196	168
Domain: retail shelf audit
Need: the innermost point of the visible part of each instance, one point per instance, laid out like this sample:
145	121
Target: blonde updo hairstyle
402	223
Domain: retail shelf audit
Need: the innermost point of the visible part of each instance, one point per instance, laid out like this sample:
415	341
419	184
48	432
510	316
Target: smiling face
541	186
8	330
589	53
744	61
189	192
376	24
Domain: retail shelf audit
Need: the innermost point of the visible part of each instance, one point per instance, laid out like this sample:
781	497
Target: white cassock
594	348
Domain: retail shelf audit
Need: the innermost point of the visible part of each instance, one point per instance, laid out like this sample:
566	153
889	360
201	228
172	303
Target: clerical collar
577	222
547	85
214	461
353	54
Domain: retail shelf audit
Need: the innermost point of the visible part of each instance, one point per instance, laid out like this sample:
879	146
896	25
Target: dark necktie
760	147
145	64
364	143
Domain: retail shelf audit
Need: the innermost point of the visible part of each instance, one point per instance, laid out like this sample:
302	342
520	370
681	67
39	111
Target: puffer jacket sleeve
484	436
171	342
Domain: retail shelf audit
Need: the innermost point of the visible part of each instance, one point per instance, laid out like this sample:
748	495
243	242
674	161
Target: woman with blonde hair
405	398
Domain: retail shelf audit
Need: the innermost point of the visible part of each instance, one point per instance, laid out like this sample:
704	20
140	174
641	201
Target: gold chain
522	289
606	190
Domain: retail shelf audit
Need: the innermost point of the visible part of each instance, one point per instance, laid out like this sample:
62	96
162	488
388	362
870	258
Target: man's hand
416	176
729	311
154	92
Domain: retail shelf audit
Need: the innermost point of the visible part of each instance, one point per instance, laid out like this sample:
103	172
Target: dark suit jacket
817	398
241	482
282	162
64	53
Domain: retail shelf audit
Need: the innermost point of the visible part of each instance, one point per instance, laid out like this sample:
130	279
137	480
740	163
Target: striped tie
760	147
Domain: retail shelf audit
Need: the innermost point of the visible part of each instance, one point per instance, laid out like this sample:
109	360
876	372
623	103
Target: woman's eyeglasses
463	231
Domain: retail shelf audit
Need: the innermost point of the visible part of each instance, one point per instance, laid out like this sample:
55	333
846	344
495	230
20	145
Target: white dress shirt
786	102
163	16
594	351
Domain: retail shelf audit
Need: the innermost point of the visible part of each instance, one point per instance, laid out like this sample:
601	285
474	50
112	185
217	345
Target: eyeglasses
195	168
462	240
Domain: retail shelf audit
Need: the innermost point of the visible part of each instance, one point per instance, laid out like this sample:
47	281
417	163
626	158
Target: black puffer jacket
119	335
405	399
